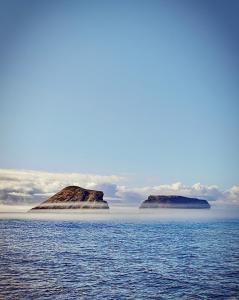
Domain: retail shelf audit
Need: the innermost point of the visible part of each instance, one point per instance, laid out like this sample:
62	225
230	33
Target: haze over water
119	213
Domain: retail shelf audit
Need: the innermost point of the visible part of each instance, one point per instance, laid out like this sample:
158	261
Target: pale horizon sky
144	89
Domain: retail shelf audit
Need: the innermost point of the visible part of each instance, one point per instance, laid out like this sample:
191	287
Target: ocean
100	256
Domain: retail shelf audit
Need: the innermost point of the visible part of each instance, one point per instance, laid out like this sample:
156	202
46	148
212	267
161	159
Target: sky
146	91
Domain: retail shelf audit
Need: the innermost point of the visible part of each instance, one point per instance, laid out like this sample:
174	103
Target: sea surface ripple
57	259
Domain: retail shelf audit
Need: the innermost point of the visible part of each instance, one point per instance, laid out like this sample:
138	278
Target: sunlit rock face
75	197
174	202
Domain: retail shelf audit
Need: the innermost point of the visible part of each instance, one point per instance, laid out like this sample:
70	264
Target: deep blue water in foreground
55	259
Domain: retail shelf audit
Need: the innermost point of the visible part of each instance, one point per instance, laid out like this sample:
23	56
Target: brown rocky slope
73	197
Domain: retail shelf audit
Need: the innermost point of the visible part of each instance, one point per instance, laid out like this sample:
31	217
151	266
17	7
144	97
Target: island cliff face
73	197
174	202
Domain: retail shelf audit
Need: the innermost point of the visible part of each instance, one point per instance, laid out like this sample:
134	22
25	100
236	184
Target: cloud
18	186
232	195
208	192
33	187
110	189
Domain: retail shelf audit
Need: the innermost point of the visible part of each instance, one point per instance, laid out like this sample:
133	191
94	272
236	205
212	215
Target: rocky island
75	197
174	202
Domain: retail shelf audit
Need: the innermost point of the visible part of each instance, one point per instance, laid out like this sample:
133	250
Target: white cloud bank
34	186
18	187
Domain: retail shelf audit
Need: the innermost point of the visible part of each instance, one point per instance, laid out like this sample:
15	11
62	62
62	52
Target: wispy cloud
18	186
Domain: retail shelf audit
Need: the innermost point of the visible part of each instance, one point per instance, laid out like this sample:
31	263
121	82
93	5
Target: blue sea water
107	259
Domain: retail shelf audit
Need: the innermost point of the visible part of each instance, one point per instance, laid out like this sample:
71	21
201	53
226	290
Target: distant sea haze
71	205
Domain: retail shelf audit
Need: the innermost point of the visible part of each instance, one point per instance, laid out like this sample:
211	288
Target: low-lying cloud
34	186
19	187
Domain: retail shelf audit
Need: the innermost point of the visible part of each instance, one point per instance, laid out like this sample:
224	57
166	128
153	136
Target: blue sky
146	89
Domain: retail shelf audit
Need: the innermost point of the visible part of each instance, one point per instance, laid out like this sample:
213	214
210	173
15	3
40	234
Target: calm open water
118	259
